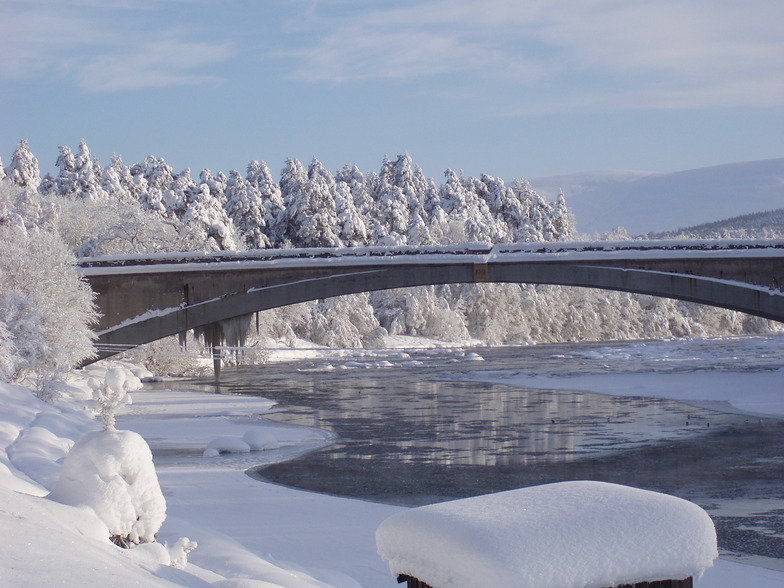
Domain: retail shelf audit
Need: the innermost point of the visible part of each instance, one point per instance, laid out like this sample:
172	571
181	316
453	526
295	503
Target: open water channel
408	431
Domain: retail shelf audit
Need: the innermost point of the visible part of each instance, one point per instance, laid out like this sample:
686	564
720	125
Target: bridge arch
246	291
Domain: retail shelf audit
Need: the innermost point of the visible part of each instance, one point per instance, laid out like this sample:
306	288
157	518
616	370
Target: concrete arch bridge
148	297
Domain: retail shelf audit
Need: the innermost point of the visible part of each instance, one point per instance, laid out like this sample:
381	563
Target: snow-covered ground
249	533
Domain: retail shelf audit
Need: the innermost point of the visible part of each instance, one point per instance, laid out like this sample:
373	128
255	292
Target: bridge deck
143	298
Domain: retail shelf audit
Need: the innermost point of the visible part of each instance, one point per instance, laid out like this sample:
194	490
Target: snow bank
564	535
112	472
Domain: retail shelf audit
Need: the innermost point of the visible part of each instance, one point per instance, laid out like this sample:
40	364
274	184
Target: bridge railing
773	247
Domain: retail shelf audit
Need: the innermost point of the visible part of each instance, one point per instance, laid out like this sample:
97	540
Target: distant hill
768	224
652	202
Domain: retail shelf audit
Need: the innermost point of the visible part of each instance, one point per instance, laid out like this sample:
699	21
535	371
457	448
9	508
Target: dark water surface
407	434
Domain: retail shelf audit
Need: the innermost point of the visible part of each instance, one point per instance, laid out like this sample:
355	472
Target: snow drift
564	535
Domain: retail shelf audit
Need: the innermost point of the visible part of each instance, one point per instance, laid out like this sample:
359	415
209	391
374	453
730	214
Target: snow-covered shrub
178	552
112	473
112	393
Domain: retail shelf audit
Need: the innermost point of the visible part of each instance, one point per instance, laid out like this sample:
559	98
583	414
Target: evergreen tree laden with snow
153	178
259	176
23	169
206	219
245	207
352	230
310	214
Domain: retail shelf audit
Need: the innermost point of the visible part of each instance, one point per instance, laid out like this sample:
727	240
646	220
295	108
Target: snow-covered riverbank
252	533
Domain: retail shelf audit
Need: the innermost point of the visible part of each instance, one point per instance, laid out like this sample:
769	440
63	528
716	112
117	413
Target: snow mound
256	440
564	535
112	472
260	440
222	445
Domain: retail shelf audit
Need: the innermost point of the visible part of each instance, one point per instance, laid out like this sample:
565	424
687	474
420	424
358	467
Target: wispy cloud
153	64
668	54
103	47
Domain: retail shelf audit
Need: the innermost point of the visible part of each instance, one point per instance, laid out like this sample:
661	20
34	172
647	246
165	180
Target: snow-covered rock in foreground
112	472
564	535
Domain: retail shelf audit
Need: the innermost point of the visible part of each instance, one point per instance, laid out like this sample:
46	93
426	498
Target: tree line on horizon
306	207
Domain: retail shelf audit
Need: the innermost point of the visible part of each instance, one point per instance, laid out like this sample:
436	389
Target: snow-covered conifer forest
86	209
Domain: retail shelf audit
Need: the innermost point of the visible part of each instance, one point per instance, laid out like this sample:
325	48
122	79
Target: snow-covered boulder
565	535
112	473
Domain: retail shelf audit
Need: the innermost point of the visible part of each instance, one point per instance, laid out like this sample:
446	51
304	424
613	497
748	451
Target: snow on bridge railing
283	254
556	248
637	245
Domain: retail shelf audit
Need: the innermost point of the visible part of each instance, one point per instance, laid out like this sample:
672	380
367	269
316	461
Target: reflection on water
407	413
407	435
479	424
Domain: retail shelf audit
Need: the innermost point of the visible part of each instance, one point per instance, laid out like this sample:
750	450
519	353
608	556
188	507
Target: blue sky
511	88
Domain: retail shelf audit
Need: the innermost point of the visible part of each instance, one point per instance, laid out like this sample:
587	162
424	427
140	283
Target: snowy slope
644	202
760	224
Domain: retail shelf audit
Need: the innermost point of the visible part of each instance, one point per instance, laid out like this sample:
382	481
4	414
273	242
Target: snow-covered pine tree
207	221
393	217
561	220
88	172
19	183
177	197
245	208
467	216
259	177
419	229
402	176
117	182
359	187
453	196
292	189
392	204
216	183
318	219
310	213
414	187
65	184
352	230
157	177
23	169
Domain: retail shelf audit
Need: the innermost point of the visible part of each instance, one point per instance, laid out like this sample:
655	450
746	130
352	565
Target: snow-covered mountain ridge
646	202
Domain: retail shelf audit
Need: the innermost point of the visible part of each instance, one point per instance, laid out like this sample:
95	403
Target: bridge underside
141	307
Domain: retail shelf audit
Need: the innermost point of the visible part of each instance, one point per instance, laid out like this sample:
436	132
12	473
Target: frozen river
411	430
